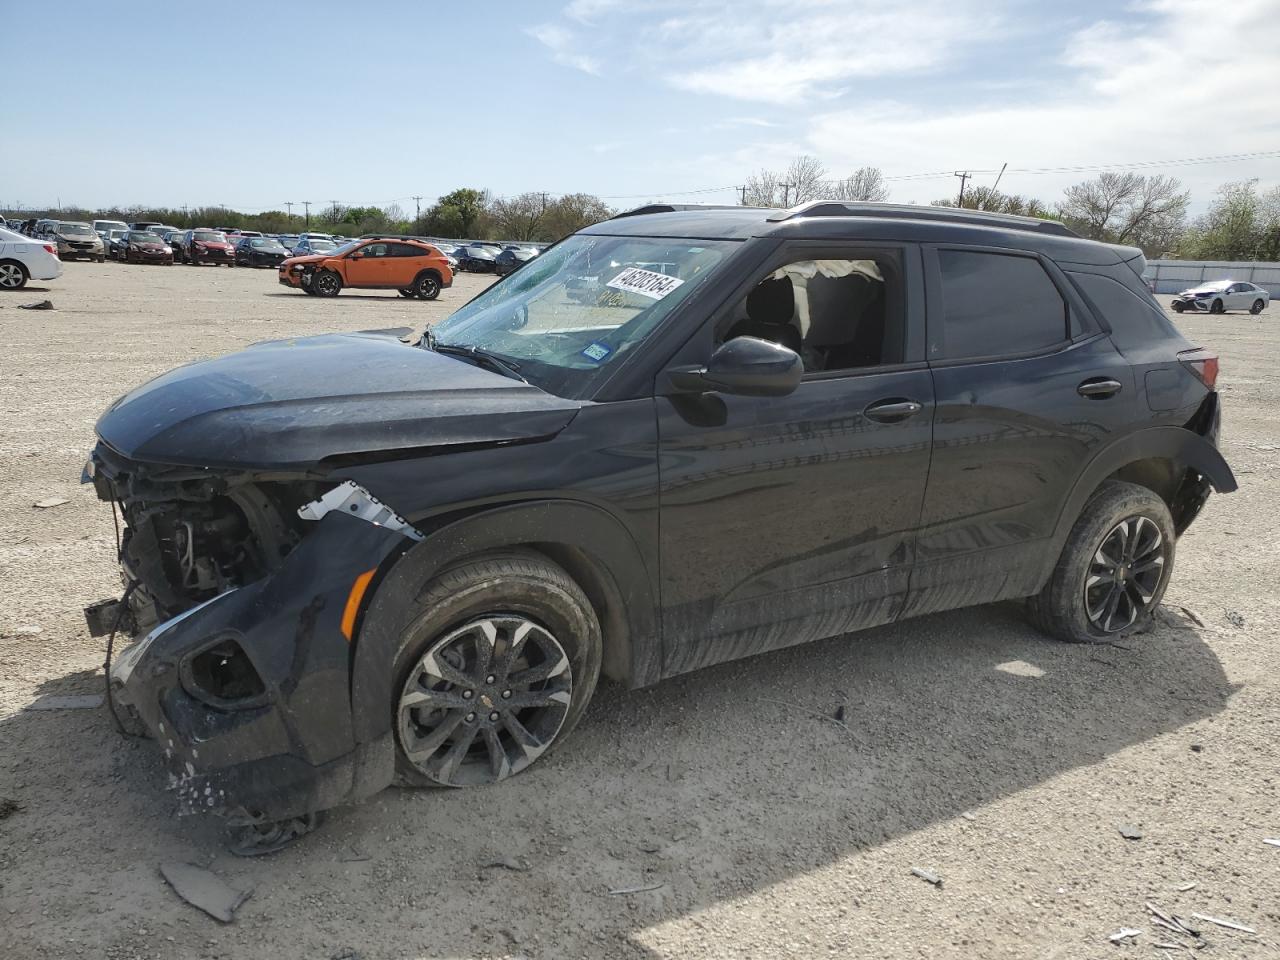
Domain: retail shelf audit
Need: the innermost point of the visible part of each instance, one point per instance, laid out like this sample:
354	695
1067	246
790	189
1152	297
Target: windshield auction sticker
646	283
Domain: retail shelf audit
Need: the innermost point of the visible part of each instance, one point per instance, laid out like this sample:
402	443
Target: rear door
1027	388
406	260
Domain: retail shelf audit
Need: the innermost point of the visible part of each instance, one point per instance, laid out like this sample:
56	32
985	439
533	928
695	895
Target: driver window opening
837	314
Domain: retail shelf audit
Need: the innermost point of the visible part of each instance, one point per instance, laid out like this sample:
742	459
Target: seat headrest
772	301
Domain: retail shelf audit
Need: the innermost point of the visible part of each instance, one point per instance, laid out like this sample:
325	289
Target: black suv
678	437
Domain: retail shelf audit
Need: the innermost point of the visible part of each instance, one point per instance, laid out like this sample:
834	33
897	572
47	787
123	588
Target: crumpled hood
306	258
1193	291
287	404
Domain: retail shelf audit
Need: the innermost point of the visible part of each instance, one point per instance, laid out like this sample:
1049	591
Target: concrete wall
1174	276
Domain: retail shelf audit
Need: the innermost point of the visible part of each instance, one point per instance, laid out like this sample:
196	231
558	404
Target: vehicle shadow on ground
24	291
706	787
392	295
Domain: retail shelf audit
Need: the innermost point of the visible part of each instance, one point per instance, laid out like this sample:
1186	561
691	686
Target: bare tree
993	201
520	218
1127	208
762	190
1240	225
865	184
804	180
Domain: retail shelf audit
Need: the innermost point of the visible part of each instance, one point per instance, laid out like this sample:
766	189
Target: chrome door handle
891	411
1099	388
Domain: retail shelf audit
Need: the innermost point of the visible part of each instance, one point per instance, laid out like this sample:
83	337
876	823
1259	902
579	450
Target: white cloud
560	41
1156	90
586	11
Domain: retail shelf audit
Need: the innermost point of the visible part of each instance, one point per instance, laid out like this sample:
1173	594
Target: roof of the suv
825	220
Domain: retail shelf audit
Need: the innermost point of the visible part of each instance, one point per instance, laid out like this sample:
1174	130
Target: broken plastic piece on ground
89	701
624	891
1229	924
204	890
1129	832
38	305
1124	933
48	502
261	837
927	877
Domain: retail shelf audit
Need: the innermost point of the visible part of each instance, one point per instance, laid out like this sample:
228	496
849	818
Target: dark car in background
142	246
114	243
203	245
288	240
353	559
477	258
260	252
511	259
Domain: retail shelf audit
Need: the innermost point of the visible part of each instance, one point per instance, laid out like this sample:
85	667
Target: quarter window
997	305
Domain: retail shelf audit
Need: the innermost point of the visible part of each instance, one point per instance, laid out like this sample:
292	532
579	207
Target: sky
172	104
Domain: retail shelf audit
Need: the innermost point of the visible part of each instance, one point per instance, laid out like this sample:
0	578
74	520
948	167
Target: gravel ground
975	749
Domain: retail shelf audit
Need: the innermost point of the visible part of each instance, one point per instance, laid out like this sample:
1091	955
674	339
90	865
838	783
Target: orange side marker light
353	602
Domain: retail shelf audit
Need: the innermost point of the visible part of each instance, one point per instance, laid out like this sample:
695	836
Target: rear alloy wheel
427	286
1217	307
326	283
13	275
497	662
1258	306
1113	569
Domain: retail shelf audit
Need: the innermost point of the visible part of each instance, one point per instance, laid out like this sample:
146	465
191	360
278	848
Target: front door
787	519
369	266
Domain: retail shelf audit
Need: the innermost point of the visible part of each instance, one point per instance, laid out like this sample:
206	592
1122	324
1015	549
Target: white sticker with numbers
646	283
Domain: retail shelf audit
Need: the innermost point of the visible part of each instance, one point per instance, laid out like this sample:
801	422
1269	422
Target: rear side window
1135	321
997	304
407	250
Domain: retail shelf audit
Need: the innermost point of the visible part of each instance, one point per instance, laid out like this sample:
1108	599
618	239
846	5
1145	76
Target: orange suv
414	267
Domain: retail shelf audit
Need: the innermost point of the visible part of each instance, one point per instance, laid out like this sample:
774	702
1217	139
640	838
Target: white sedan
1220	296
23	259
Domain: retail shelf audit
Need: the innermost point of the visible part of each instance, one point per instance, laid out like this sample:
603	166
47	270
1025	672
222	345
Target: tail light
1202	363
50	248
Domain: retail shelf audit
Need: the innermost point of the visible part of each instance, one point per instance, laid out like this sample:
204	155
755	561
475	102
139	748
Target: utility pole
333	210
963	175
288	205
307	204
417	209
743	191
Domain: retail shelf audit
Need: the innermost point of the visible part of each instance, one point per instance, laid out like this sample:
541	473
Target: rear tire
427	286
1113	570
1217	307
1257	307
526	606
13	275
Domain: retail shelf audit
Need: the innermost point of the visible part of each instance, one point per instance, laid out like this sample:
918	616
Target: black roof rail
674	208
907	211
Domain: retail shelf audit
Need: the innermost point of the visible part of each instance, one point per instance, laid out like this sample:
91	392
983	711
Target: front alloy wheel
1125	574
325	283
1257	307
484	701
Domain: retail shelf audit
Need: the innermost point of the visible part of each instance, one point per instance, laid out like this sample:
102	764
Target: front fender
590	530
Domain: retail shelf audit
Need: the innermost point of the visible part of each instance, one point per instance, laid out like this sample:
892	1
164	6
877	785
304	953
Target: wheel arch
1157	458
592	546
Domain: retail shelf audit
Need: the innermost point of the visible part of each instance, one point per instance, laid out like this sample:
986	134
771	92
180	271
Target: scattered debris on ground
1126	933
1020	668
927	876
1184	887
1129	831
1235	618
50	502
1192	616
23	630
626	891
259	838
204	890
1229	924
1271	840
506	863
38	305
88	701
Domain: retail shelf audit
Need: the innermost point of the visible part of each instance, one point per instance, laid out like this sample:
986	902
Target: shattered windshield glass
575	310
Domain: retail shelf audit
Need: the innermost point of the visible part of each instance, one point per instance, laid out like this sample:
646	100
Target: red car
203	245
139	246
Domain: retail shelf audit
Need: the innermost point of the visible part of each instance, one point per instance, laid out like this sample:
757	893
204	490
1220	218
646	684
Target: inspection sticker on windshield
655	286
596	351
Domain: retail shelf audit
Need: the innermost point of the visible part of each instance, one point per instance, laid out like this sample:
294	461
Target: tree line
1242	223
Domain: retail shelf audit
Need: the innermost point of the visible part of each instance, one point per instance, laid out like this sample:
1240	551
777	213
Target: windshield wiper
485	358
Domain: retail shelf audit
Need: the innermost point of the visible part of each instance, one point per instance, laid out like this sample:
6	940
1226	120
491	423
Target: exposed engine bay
190	534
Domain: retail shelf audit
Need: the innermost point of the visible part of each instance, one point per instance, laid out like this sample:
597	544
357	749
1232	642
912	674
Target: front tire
326	283
498	658
1178	308
1113	570
1257	307
1217	307
13	275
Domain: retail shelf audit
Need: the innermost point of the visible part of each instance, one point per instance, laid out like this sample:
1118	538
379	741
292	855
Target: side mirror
356	256
745	366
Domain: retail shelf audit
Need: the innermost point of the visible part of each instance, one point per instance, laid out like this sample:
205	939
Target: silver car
1221	296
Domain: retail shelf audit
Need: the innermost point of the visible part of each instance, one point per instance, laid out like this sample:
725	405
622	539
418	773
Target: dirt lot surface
1000	761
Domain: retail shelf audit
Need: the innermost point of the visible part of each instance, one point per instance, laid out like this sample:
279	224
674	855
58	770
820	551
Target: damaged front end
246	590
